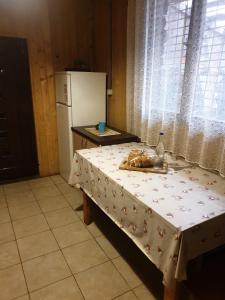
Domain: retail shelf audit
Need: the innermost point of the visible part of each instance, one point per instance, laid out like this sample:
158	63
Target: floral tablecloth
172	218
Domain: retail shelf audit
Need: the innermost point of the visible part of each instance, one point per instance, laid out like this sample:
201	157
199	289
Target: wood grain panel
58	32
110	26
71	23
29	19
102	37
102	54
117	102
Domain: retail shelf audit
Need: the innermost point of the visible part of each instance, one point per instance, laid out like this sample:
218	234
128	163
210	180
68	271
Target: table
172	218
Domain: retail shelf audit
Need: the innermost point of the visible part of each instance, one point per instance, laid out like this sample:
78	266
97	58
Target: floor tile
23	211
29	226
65	188
61	217
52	203
4	215
143	293
12	283
16	187
6	233
42	192
57	179
71	234
20	198
94	230
127	272
84	255
45	270
66	289
80	214
75	199
3	203
40	182
37	245
127	296
101	282
108	248
9	255
26	297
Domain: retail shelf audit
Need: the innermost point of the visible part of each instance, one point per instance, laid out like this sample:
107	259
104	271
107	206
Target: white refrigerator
80	101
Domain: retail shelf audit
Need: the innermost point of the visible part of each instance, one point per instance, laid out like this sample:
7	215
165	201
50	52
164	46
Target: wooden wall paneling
84	31
110	26
71	32
29	19
61	18
79	30
117	103
38	98
45	98
102	54
48	90
102	37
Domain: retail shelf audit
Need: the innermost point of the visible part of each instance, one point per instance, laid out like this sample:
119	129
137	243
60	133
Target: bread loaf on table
140	159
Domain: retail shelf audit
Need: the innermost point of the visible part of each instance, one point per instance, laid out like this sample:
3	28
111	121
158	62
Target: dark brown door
18	154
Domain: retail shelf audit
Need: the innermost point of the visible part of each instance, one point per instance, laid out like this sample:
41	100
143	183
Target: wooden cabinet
77	141
80	142
82	139
90	144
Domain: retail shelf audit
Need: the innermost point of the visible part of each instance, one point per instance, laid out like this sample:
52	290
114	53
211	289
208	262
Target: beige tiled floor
48	253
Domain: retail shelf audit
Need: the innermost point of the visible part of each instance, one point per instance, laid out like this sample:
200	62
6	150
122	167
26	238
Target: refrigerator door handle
62	104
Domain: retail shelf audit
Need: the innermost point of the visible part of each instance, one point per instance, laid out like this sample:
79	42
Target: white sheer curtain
176	77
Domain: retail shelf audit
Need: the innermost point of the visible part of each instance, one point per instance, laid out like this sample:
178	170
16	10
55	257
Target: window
209	99
210	88
176	77
177	21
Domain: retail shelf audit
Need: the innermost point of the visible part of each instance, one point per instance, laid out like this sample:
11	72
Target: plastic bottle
160	149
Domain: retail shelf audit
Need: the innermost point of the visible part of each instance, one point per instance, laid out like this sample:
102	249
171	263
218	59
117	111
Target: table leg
87	204
172	294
